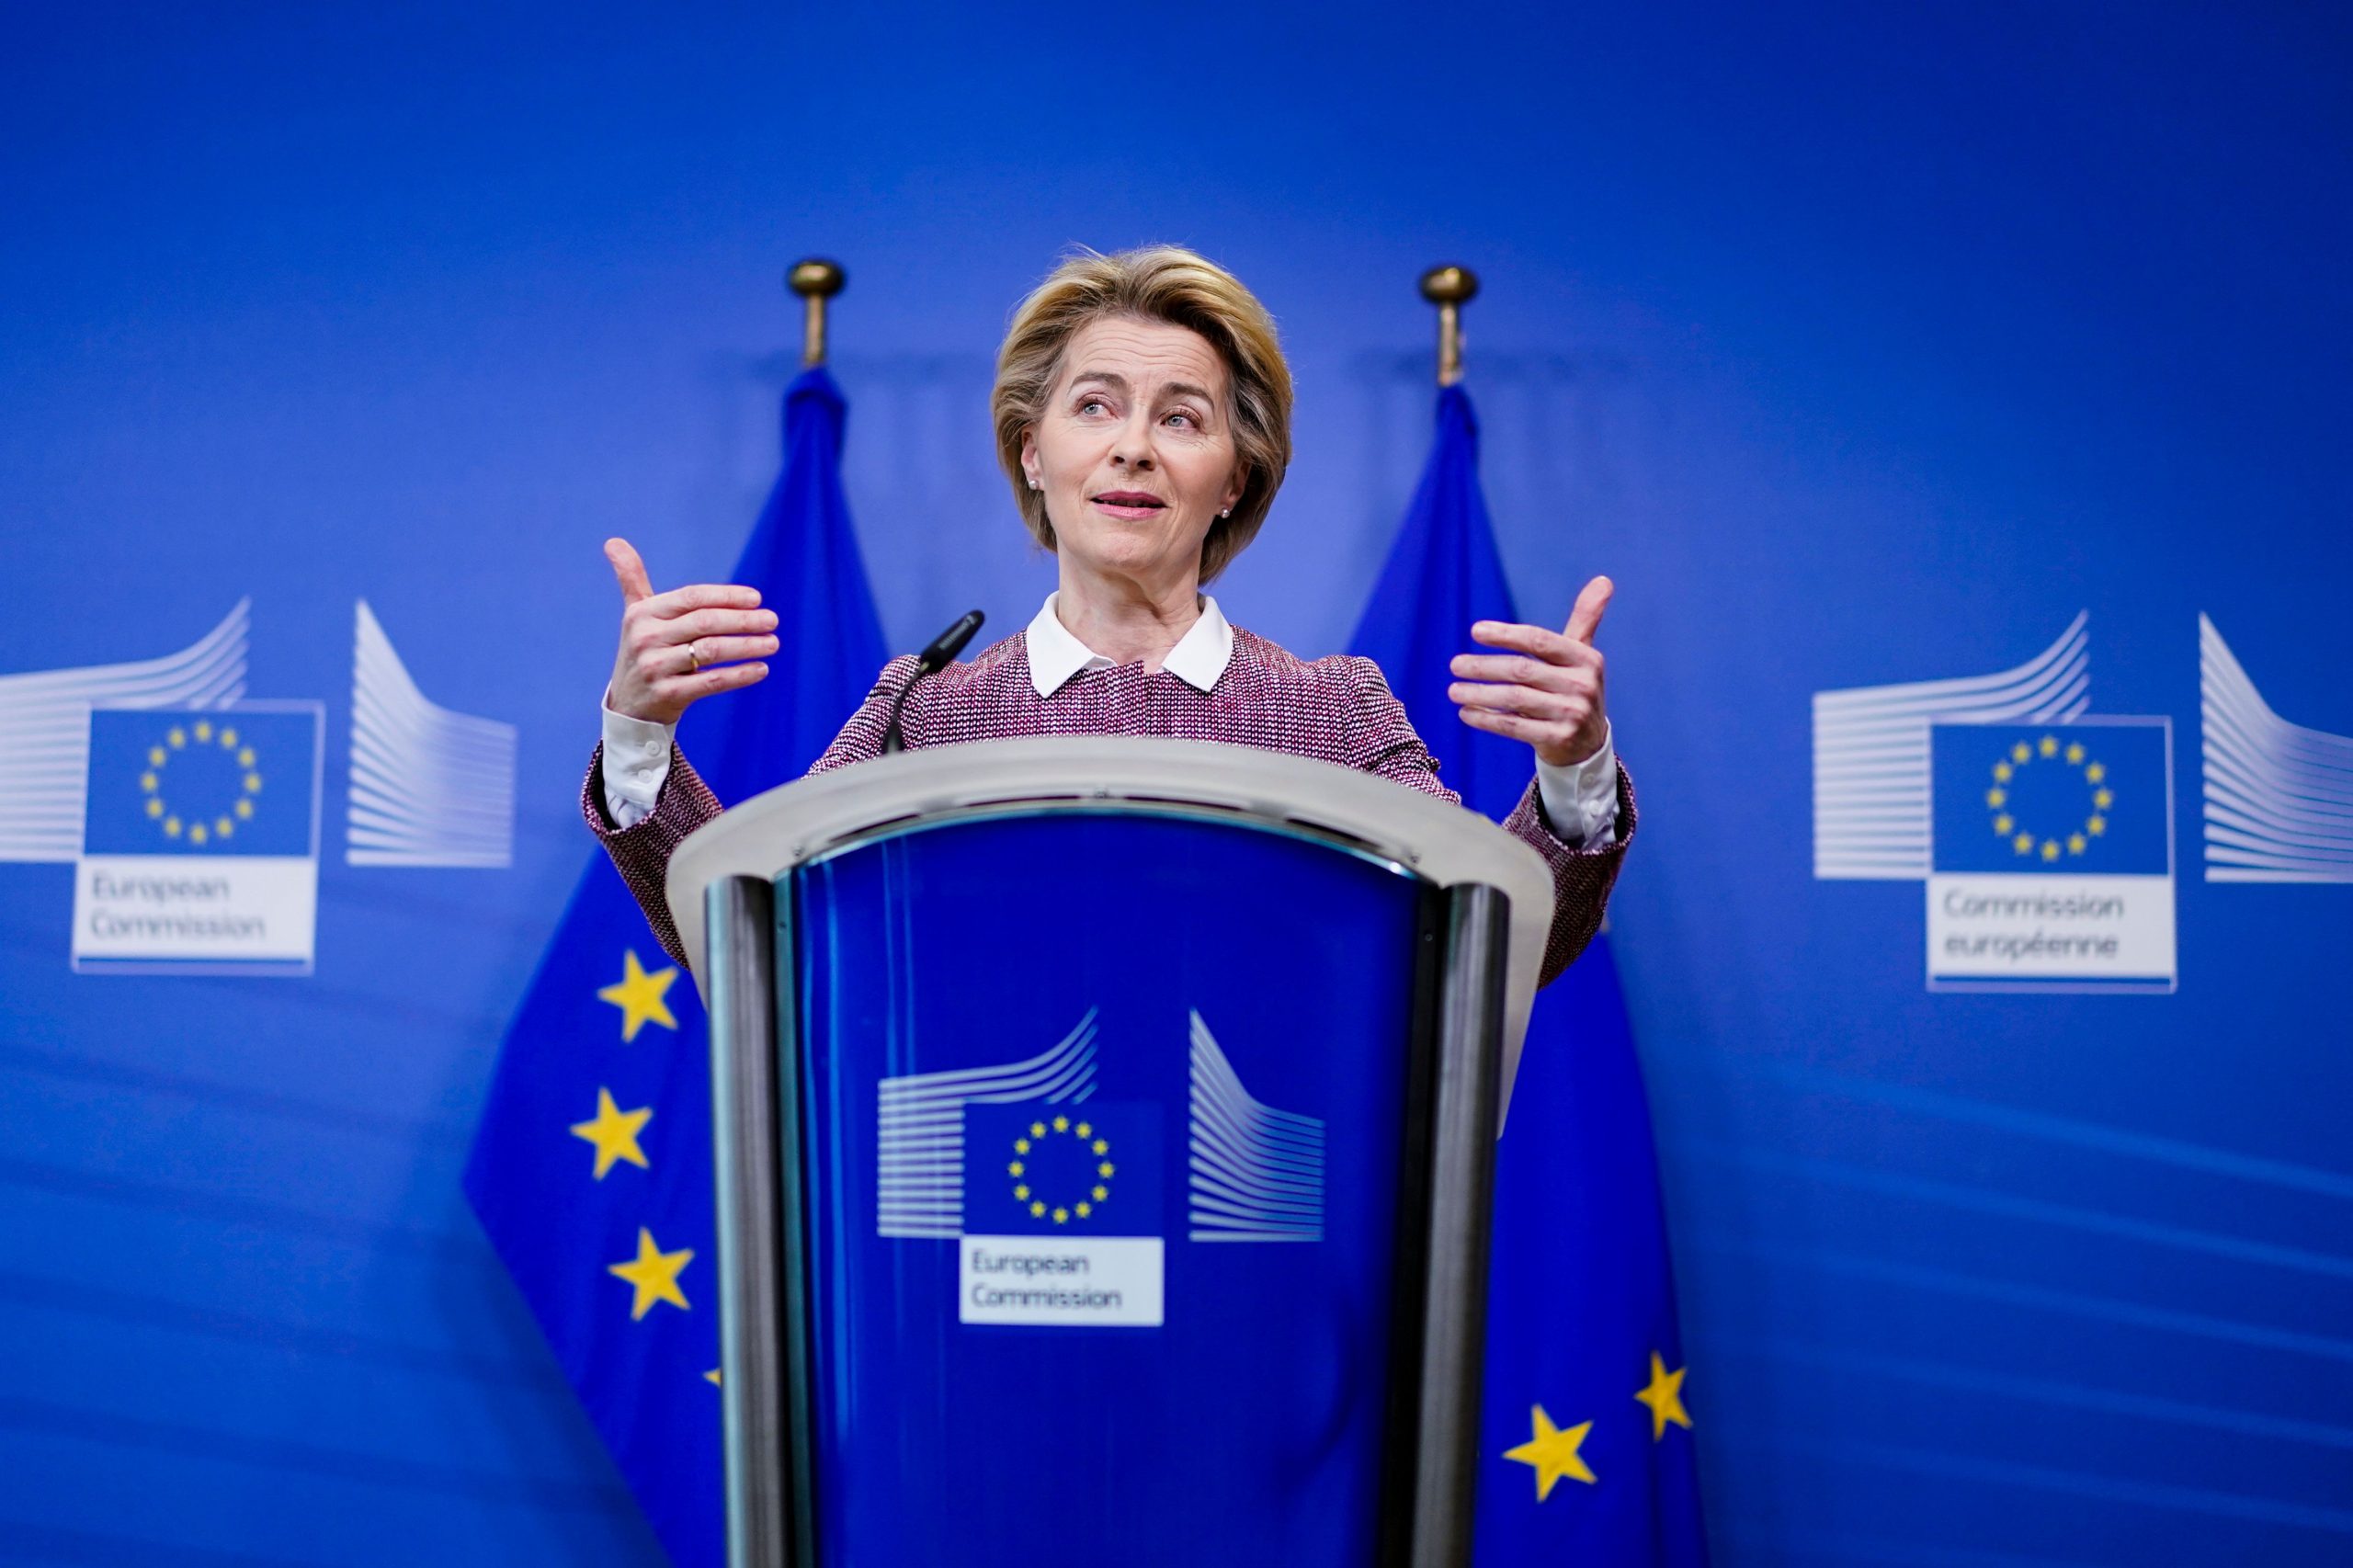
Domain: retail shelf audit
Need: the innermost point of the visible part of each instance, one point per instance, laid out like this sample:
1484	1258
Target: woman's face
1134	452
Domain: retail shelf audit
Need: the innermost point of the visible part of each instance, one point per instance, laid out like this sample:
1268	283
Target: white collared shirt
1580	800
1055	655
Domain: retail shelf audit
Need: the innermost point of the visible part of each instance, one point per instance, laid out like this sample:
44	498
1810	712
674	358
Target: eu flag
1055	1171
1585	1434
592	1169
2086	798
203	781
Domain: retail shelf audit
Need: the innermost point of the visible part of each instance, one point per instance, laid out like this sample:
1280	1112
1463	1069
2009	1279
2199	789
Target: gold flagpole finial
1449	289
816	280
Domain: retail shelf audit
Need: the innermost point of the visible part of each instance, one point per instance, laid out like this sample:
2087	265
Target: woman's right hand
682	646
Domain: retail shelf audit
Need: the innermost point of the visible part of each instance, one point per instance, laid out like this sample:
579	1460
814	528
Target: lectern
1104	1133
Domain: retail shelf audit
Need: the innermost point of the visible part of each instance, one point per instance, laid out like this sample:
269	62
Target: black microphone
930	662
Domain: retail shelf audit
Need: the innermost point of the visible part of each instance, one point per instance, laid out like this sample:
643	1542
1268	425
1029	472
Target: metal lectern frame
1486	909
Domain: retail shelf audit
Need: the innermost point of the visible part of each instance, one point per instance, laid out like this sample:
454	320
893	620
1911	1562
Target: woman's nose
1133	448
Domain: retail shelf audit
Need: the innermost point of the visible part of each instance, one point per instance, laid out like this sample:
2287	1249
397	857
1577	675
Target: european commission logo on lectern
1062	1216
1055	1199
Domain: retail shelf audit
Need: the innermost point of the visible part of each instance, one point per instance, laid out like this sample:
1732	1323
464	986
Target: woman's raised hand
1548	690
680	647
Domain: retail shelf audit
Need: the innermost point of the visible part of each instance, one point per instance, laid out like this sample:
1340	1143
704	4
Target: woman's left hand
1547	691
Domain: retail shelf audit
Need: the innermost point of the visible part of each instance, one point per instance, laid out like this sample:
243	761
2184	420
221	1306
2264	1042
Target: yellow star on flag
1664	1396
614	1132
711	1376
654	1275
1553	1452
639	997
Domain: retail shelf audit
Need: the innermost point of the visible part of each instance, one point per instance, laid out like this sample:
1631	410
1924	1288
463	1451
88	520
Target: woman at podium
1142	413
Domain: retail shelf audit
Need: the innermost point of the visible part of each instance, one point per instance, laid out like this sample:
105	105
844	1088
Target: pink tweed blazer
1336	710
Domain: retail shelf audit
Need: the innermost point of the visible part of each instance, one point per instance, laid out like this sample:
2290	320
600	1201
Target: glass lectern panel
1103	1116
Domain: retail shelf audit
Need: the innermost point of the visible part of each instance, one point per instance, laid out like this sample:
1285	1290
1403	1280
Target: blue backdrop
1864	347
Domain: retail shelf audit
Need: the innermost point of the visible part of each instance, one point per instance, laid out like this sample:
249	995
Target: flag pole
815	280
1449	289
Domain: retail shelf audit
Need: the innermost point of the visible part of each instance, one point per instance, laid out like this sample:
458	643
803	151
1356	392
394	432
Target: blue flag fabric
592	1170
1585	1435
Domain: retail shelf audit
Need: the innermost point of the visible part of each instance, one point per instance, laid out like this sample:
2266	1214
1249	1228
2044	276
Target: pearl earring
1227	513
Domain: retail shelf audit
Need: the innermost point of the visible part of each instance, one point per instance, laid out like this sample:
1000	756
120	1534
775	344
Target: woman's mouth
1130	506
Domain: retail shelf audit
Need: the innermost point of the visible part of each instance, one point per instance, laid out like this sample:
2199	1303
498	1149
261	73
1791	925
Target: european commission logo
1064	1210
83	781
2043	833
1058	1202
2052	861
200	839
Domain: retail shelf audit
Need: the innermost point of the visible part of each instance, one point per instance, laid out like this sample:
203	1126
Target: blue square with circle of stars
2081	799
203	781
1071	1170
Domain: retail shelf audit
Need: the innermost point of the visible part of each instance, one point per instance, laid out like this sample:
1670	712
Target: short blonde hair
1164	283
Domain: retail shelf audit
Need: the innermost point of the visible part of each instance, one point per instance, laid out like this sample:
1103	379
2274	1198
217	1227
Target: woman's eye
1187	419
1090	405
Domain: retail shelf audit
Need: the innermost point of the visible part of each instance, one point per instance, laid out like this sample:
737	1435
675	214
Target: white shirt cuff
637	759
1580	800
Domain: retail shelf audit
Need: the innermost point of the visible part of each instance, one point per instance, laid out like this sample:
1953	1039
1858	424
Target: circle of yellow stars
2026	755
1095	1145
196	829
1553	1451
